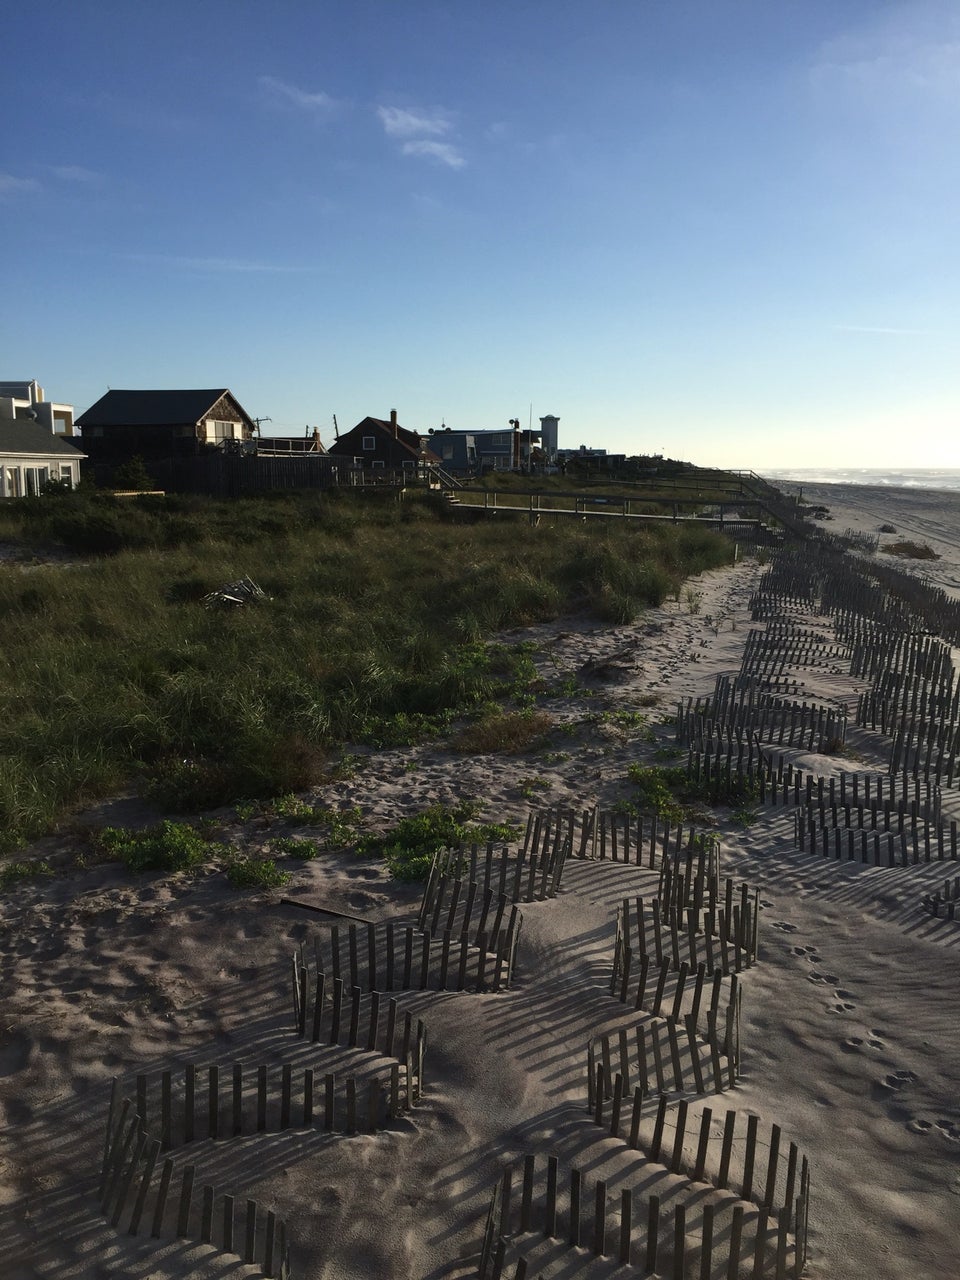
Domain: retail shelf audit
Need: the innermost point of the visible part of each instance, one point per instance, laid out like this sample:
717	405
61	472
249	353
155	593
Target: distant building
163	424
26	401
549	436
31	456
457	450
381	444
34	446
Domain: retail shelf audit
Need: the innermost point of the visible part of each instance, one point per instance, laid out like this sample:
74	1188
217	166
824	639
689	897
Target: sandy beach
848	1034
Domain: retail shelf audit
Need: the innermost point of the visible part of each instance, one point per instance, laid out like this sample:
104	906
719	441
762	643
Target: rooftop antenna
258	421
336	429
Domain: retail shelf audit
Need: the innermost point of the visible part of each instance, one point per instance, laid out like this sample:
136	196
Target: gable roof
20	436
155	408
410	438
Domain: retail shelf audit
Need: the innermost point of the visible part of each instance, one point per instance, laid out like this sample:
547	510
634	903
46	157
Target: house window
379	463
369	444
36	478
448	453
217	431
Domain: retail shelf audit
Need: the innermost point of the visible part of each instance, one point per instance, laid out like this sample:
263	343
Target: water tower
548	436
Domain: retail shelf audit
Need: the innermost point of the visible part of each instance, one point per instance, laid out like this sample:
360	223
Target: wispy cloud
442	152
905	58
76	173
219	265
419	132
12	186
400	122
318	103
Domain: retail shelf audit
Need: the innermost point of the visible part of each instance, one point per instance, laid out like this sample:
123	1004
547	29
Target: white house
26	401
34	444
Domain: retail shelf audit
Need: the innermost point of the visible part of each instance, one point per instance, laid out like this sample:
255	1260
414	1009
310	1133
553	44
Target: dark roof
411	442
17	436
410	438
152	408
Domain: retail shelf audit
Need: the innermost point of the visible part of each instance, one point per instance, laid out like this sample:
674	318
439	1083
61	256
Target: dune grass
376	631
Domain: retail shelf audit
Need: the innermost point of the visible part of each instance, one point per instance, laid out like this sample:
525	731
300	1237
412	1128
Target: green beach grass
377	630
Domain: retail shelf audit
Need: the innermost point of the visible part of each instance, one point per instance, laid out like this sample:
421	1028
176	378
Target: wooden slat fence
538	1202
478	954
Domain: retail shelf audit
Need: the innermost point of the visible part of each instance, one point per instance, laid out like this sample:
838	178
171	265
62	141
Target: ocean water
908	478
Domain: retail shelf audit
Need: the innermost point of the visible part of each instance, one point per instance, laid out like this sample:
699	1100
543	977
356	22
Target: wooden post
186	1195
653	1232
576	1179
626	1226
166	1173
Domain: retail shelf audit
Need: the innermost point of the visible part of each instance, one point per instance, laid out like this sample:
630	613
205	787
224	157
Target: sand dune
848	1030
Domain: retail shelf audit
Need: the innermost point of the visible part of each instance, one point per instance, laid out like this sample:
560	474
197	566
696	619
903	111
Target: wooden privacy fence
537	1202
393	957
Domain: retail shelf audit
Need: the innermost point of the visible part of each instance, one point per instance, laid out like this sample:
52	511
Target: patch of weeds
529	787
648	700
693	600
250	872
347	766
744	816
186	785
409	847
295	847
291	808
403	728
565	687
556	757
12	873
169	846
656	787
910	550
509	732
669	753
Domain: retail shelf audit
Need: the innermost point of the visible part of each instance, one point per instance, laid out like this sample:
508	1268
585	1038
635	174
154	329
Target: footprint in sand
830	979
949	1129
784	927
851	1045
898	1080
919	1126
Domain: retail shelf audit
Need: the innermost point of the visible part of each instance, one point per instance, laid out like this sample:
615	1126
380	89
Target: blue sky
728	230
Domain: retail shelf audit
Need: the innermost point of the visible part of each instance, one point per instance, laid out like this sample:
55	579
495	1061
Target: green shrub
295	847
12	873
256	873
169	846
656	789
409	847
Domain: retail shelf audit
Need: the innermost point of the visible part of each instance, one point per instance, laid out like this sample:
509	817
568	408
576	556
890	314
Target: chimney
393	422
